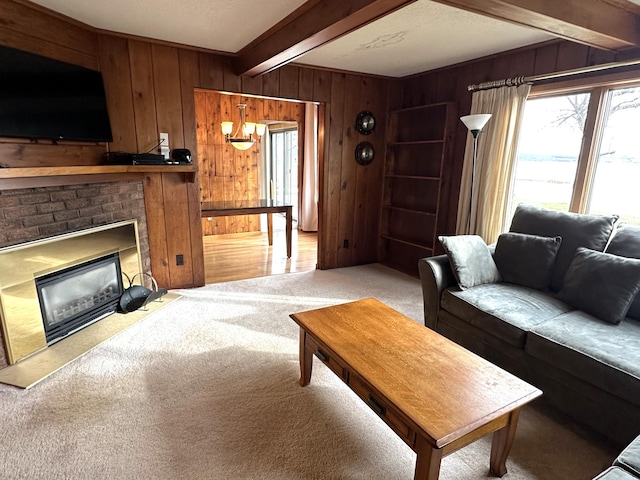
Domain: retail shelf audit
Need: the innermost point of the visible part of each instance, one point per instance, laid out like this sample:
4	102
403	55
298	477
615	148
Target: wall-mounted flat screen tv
42	98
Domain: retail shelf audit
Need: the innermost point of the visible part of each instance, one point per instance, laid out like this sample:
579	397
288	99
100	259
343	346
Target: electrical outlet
345	243
164	145
180	259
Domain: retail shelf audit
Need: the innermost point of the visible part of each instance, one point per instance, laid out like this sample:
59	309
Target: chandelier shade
241	144
248	130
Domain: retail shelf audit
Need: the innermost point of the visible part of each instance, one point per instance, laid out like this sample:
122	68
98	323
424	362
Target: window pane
291	160
615	183
548	150
284	168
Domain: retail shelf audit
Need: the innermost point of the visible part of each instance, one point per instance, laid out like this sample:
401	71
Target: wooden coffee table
437	396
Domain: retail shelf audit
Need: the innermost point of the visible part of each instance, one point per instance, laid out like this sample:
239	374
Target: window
578	151
548	151
283	168
614	187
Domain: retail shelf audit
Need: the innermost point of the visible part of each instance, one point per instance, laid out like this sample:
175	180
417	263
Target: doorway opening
236	243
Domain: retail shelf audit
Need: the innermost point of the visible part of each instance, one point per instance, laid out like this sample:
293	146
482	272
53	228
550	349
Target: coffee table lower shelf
429	450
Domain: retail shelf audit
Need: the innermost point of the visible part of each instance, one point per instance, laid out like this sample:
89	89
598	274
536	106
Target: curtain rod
515	81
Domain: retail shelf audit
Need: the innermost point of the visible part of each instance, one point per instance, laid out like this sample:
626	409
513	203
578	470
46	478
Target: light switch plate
164	145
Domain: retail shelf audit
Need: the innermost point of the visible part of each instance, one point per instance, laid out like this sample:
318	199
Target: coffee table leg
428	462
306	360
501	444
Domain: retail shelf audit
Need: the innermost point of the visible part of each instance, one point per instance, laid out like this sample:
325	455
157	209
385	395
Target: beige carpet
207	388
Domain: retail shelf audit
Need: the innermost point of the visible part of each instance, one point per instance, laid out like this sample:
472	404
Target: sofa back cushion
626	243
576	230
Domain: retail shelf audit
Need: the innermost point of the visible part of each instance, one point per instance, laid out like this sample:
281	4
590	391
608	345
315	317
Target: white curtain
496	155
308	218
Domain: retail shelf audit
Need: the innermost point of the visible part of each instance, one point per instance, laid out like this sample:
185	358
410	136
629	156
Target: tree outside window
581	152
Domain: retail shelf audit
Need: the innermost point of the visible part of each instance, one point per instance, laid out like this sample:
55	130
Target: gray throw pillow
576	230
601	284
526	260
626	243
470	260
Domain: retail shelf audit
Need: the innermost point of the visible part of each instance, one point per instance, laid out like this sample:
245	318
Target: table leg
270	228
428	462
501	444
289	215
306	360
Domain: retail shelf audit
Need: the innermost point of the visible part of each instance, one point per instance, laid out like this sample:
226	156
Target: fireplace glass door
74	297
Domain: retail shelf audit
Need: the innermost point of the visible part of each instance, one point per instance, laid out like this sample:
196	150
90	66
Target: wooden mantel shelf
47	176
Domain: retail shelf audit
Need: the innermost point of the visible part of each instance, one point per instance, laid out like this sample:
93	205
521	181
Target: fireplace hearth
77	296
51	287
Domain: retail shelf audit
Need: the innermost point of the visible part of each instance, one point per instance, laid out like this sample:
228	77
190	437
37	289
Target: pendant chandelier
249	131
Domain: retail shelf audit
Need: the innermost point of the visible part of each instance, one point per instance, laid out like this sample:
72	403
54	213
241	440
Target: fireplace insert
72	298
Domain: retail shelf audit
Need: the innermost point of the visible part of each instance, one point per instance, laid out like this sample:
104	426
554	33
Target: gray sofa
563	317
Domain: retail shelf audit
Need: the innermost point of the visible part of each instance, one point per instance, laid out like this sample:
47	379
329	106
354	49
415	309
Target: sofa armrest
435	276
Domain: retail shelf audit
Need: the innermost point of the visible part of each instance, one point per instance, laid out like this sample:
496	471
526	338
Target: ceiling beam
313	24
598	23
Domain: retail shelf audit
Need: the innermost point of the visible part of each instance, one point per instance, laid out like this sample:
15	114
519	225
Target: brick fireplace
36	213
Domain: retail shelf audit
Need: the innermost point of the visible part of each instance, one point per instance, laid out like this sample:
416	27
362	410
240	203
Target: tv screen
42	98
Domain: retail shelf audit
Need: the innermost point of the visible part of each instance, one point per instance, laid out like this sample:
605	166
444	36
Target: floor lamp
474	123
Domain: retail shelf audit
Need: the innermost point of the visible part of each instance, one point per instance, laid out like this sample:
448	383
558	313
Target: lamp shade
227	128
477	121
249	128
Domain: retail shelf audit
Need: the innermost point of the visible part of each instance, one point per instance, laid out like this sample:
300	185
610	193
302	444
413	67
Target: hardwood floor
237	256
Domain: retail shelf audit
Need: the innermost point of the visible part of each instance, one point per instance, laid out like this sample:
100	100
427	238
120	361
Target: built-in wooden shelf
409	241
45	176
410	210
415	142
419	152
415	177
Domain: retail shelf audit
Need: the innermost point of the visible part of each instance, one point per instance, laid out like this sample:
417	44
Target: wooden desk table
434	394
251	207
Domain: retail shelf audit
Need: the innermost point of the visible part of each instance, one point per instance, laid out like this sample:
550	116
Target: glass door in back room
282	166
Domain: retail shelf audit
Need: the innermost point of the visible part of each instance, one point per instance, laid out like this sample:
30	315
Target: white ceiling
417	38
420	37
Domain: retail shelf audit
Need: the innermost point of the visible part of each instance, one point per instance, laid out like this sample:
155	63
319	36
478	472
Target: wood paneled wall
226	173
450	84
150	89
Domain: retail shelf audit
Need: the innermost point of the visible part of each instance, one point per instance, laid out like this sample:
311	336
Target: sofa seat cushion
604	355
629	458
615	473
504	310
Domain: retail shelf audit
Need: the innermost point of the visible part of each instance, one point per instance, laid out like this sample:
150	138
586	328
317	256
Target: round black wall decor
365	122
364	153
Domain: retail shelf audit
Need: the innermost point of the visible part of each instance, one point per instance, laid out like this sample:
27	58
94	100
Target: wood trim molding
588	151
30	177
